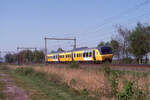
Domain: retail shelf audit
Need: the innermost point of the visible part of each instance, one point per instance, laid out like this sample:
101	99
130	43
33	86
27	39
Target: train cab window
74	55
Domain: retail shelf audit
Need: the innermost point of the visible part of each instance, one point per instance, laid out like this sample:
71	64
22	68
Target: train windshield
106	50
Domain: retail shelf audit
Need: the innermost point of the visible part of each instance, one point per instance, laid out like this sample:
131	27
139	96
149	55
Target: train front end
106	53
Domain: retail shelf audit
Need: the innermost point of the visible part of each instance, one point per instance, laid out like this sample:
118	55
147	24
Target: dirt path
11	91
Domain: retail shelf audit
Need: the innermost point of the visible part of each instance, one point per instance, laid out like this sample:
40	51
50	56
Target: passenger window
90	54
87	54
83	54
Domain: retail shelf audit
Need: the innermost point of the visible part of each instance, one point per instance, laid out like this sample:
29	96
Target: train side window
90	54
77	54
87	54
83	54
74	55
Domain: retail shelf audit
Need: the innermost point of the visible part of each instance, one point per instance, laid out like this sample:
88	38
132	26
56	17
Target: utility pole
72	39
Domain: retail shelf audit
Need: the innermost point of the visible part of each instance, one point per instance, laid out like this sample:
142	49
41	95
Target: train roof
78	49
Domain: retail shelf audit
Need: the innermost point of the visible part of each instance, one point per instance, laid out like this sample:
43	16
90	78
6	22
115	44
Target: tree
123	34
102	43
38	56
10	58
60	50
139	41
115	47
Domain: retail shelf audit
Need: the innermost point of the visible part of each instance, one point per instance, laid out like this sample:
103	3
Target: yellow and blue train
92	55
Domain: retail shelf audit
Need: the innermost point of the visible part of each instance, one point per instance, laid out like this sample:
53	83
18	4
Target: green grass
39	87
2	96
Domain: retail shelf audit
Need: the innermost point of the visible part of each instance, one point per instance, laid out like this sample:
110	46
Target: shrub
73	82
127	91
127	60
114	82
84	92
107	70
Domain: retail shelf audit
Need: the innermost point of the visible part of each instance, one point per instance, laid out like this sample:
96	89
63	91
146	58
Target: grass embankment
102	83
40	86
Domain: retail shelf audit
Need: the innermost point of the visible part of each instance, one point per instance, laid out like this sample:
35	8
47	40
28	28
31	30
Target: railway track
123	67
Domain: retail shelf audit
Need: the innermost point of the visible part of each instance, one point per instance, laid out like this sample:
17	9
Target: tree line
25	57
131	44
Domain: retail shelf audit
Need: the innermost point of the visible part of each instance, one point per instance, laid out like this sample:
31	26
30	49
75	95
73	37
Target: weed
107	70
73	82
84	92
127	91
113	79
141	93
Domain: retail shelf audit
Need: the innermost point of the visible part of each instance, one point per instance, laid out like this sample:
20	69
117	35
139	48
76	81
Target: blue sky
26	22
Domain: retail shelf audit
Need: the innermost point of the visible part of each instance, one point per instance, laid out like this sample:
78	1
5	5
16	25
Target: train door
94	55
72	56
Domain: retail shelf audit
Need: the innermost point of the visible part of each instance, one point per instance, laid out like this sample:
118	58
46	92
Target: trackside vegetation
50	85
57	83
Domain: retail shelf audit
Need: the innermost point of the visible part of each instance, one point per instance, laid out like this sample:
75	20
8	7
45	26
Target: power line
111	19
46	38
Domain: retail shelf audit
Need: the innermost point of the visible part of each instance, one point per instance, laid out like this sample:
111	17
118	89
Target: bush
113	78
127	60
127	91
107	70
73	82
84	92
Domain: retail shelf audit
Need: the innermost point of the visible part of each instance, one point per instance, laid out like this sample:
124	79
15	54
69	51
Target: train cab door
94	55
72	56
